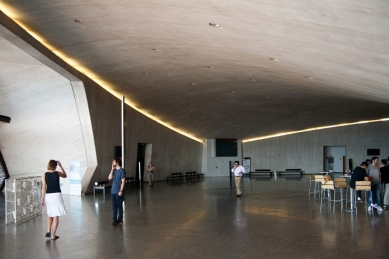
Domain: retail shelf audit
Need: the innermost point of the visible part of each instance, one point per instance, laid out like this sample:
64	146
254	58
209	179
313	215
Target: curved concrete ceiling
274	66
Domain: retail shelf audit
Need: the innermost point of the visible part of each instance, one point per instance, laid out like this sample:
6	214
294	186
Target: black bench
175	176
291	171
262	171
106	184
194	174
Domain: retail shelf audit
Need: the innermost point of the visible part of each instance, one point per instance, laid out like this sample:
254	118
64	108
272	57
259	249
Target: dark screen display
373	152
226	147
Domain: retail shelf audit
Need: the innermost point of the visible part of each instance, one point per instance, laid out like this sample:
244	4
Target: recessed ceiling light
232	91
308	77
215	25
193	83
210	67
146	74
274	59
156	49
79	21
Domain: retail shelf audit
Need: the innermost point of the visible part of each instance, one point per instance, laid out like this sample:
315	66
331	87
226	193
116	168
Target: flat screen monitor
373	152
226	147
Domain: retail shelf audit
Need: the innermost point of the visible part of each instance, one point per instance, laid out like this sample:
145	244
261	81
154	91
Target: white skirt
54	204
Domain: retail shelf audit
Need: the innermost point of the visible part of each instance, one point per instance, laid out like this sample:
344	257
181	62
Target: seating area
290	171
181	176
262	172
327	192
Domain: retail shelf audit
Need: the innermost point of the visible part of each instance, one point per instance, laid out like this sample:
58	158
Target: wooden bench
291	171
189	175
262	171
175	176
106	184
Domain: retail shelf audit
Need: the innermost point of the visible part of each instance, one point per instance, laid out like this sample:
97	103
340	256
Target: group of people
51	196
378	173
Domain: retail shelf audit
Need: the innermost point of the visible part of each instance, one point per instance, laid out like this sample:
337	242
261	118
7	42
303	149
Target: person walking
51	197
238	171
150	172
118	177
374	172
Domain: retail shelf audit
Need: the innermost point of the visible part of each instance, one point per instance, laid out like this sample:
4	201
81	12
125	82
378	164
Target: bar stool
312	180
361	186
329	186
318	180
341	183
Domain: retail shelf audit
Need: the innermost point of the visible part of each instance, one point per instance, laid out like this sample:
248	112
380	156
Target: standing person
385	180
52	197
359	174
238	171
150	172
118	177
374	172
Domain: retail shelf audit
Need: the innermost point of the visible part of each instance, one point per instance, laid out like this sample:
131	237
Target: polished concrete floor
275	218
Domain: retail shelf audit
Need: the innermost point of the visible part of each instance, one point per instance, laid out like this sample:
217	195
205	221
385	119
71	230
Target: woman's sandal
48	234
55	237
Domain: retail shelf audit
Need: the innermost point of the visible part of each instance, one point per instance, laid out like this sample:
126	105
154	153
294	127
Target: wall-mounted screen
226	147
373	152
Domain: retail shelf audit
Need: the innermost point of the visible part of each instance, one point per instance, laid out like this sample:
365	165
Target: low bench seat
291	171
262	171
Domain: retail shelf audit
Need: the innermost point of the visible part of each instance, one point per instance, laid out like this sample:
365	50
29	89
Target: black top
359	174
52	182
384	174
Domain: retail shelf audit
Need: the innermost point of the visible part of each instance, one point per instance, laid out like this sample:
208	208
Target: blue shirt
118	175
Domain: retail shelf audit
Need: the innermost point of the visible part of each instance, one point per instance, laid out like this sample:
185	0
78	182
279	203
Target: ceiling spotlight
146	74
274	59
193	84
310	78
210	67
156	49
79	21
215	25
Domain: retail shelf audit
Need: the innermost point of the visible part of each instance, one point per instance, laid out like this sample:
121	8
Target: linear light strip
312	129
13	14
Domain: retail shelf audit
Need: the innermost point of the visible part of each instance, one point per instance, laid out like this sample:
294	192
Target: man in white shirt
238	171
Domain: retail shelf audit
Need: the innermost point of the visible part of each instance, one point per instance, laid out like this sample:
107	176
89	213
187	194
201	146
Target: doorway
334	158
143	157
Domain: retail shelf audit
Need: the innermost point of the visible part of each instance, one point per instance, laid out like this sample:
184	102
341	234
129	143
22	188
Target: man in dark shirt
118	177
358	174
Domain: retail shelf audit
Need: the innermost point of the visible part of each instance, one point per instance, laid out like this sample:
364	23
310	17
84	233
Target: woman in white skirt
52	197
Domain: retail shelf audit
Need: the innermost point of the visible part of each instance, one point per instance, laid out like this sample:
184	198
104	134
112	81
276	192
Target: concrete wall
305	150
44	103
214	166
171	152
